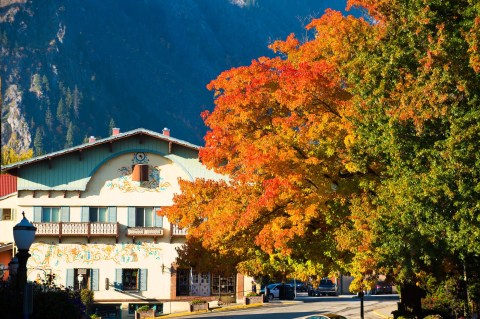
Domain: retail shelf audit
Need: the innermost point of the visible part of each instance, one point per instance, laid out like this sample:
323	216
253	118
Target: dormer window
140	173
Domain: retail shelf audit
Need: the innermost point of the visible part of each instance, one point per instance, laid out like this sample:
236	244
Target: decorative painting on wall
125	183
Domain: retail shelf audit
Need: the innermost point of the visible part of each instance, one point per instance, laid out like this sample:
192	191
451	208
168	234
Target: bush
197	301
87	296
252	294
144	308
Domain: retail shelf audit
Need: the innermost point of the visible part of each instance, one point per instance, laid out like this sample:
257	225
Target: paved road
375	307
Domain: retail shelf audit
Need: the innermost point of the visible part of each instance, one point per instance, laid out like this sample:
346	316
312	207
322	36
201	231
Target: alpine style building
96	209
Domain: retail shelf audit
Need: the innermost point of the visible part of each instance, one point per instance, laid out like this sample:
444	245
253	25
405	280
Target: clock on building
140	157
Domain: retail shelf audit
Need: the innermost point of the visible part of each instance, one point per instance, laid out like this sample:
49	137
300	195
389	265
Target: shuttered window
131	279
140	173
144	217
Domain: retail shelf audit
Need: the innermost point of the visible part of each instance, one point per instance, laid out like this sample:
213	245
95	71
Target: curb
228	308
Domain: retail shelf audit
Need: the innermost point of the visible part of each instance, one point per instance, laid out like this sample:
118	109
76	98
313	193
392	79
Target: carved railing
177	231
87	229
145	232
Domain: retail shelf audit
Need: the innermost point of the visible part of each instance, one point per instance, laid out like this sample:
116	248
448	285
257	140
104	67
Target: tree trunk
411	299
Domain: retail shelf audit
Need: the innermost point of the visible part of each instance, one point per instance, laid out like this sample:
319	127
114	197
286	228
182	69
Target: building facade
96	209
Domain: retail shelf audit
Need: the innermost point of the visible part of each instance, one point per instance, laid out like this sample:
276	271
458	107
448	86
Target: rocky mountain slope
72	69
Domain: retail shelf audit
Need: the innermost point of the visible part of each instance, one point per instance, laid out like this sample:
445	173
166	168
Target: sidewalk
381	313
229	307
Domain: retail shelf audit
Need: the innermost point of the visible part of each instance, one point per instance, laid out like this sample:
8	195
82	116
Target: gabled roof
139	131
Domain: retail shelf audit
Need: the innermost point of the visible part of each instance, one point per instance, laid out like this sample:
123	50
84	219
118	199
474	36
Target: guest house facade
96	209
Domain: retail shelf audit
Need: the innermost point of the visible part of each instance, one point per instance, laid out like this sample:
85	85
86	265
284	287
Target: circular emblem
140	157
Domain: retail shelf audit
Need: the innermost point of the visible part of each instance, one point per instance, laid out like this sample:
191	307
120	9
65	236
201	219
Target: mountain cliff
72	69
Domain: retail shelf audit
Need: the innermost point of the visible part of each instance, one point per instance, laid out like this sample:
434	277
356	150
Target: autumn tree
278	131
355	150
414	84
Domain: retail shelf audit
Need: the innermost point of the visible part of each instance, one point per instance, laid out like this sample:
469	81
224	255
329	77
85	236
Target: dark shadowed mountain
71	69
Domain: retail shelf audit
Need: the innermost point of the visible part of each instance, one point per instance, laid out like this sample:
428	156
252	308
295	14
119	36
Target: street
375	307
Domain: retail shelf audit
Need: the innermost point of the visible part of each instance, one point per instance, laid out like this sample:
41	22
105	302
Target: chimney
91	139
115	131
166	131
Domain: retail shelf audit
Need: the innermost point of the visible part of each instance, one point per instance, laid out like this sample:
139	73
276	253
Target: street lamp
3	269
80	280
12	270
24	235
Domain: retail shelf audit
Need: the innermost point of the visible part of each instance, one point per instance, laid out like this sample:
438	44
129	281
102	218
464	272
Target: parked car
326	287
276	290
382	287
326	316
299	285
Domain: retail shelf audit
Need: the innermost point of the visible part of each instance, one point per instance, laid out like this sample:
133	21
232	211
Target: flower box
145	314
253	299
198	306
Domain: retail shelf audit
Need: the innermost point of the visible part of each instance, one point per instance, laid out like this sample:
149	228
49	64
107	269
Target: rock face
72	69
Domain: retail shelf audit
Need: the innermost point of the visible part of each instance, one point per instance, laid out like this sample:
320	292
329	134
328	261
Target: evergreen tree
38	142
49	118
68	100
76	102
61	111
70	135
45	83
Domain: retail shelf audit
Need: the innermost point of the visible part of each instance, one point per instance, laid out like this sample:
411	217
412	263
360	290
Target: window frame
11	211
95	210
141	211
49	210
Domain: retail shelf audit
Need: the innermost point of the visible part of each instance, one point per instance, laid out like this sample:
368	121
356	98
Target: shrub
197	301
144	308
252	294
87	295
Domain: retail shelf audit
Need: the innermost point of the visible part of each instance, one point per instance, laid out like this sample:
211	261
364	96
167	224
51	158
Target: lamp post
361	294
12	271
24	235
80	281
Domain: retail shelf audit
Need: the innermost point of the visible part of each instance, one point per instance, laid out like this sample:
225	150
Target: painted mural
53	254
124	182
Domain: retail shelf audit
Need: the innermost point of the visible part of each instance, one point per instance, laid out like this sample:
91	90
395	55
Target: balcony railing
145	232
77	229
176	231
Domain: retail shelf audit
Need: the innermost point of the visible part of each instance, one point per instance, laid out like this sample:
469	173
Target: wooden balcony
176	231
144	232
77	229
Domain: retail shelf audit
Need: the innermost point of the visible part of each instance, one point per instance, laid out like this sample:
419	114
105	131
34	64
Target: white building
96	208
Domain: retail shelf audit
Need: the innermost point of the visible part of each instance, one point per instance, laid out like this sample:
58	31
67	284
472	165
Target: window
51	214
7	213
183	282
140	173
226	284
131	279
98	214
81	278
144	217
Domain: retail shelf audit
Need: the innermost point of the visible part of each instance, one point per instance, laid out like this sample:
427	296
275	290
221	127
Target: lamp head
24	234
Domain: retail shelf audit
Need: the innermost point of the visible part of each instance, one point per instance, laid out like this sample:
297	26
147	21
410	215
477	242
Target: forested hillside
72	69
